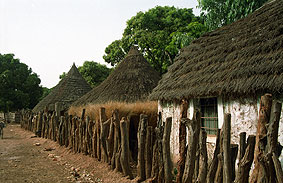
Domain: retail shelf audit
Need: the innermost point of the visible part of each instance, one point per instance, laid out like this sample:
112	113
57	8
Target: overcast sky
49	35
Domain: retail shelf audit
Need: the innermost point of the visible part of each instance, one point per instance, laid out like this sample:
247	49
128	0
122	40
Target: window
209	117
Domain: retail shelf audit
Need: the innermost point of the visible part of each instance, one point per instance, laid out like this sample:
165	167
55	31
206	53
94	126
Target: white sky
49	35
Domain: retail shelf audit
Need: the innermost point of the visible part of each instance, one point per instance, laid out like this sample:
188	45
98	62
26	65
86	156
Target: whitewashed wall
172	110
244	116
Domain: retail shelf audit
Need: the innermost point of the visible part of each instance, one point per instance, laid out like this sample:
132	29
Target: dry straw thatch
125	109
243	58
69	89
132	80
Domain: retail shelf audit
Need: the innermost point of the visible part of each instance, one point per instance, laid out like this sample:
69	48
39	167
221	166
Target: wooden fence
108	140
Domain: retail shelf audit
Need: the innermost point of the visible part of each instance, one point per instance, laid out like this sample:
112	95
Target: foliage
19	86
222	12
94	73
160	33
45	92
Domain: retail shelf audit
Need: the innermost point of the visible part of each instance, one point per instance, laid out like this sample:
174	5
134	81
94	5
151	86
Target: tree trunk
104	134
264	116
219	172
193	130
141	146
202	158
214	162
110	140
242	145
117	137
125	154
227	164
168	166
148	152
246	162
182	142
278	168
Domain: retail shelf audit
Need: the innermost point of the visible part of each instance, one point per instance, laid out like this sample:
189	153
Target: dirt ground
26	158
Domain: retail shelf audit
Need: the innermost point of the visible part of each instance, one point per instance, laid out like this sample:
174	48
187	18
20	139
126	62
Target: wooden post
182	142
245	163
227	164
94	140
125	153
242	145
110	140
104	134
148	152
264	116
202	158
278	168
193	130
166	151
141	146
214	163
234	153
117	138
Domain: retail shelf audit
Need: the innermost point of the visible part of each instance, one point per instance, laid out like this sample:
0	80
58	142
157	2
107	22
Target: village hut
131	81
68	90
226	71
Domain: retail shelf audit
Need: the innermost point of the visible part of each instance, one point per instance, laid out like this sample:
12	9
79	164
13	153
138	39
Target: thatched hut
68	90
226	71
132	81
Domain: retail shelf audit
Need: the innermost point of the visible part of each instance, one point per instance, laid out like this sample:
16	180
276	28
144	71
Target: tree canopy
19	86
94	73
222	12
159	32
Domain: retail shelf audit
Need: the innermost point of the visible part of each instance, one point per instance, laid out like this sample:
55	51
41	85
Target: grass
149	108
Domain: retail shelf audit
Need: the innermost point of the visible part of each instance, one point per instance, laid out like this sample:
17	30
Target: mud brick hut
226	71
68	90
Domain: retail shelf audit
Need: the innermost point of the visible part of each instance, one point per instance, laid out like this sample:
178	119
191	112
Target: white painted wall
172	110
244	116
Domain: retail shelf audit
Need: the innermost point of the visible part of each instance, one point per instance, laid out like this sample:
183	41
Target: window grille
209	115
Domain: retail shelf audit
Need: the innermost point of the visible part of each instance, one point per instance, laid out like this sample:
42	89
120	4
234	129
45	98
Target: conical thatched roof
132	80
68	90
243	58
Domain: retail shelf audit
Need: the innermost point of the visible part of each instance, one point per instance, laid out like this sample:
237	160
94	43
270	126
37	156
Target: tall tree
222	12
19	86
159	32
94	73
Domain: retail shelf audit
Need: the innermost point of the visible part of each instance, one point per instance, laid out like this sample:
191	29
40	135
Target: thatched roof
131	81
68	90
243	58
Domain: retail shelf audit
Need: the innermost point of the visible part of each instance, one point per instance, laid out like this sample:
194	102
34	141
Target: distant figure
2	125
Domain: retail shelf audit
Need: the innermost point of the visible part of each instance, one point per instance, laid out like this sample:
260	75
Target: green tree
159	32
19	86
94	73
45	92
222	12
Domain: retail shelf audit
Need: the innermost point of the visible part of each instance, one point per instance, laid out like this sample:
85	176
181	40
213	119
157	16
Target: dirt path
25	158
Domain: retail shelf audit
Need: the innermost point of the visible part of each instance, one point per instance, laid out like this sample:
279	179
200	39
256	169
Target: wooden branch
141	146
242	145
166	151
202	158
227	164
245	163
193	136
214	163
264	116
182	141
125	153
104	134
278	168
148	152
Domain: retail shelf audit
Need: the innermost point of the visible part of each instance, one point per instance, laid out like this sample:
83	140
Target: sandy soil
26	158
